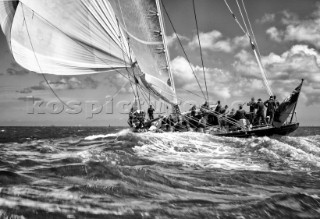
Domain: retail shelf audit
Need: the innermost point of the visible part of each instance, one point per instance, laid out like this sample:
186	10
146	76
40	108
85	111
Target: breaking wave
165	175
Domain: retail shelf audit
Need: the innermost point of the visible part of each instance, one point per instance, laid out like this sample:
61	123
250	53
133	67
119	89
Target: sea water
97	172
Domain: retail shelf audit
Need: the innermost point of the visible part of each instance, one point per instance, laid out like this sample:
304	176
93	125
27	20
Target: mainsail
74	37
142	21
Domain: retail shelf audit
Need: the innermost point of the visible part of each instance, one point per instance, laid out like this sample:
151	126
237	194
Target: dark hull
263	131
257	132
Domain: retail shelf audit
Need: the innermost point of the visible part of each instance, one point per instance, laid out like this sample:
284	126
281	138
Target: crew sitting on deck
202	123
169	122
138	119
193	111
204	107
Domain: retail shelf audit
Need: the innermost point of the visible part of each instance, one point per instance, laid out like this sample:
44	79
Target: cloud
25	91
89	82
215	41
117	81
64	83
275	34
30	98
298	30
289	17
284	70
217	79
17	70
267	18
173	38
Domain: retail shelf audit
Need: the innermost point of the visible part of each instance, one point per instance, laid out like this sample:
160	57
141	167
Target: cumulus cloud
267	18
25	91
215	41
29	98
286	69
16	69
297	29
171	40
275	34
217	79
65	83
117	81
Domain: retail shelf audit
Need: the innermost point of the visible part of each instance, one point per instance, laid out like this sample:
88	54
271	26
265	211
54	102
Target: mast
166	51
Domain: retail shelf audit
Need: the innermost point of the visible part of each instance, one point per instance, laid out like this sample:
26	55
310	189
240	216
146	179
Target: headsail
7	12
287	107
73	37
67	37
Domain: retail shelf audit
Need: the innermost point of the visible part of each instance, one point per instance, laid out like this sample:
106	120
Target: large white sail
66	37
73	37
7	12
142	22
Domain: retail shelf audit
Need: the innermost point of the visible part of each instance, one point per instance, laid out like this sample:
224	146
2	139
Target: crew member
202	123
260	112
276	101
130	117
240	114
204	107
252	107
271	107
223	113
193	111
150	112
218	107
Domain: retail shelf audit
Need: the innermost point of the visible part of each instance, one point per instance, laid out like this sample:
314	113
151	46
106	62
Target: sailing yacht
128	37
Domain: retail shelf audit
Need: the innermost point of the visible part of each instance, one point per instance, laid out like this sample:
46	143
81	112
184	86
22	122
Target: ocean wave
165	175
207	151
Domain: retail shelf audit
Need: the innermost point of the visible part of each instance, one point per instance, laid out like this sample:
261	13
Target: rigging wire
235	18
165	46
244	22
179	40
36	58
253	35
122	43
192	93
204	72
114	69
101	59
258	58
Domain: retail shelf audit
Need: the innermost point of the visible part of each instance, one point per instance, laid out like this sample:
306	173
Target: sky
287	35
